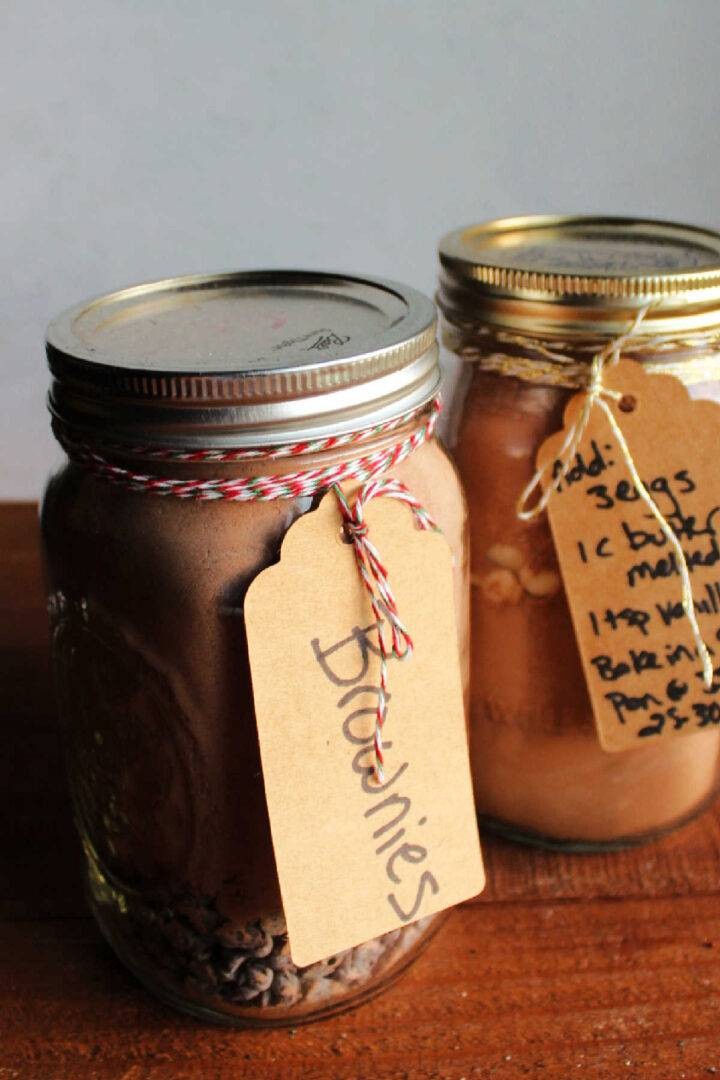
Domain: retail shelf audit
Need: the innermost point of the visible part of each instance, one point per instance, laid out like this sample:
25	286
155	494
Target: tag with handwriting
356	860
620	572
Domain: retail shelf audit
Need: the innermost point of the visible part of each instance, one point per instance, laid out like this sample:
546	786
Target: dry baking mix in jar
528	305
242	398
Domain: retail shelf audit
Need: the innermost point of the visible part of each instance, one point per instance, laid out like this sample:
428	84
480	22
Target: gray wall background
159	137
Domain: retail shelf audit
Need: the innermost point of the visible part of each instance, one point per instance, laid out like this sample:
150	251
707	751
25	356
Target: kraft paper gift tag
621	575
356	859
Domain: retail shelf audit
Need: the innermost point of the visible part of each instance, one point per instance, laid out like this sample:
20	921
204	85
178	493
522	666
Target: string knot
398	644
595	383
355	530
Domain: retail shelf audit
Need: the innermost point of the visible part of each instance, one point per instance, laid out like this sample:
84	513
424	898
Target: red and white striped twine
252	488
365	469
375	579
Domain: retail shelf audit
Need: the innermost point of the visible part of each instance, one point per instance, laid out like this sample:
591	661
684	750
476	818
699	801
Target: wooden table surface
569	966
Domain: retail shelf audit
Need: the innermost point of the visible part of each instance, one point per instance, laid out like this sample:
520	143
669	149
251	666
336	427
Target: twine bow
596	393
374	577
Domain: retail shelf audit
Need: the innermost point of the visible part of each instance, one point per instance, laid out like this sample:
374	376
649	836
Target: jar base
200	1011
520	835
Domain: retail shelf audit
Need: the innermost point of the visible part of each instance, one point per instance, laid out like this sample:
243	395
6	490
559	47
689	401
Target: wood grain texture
602	966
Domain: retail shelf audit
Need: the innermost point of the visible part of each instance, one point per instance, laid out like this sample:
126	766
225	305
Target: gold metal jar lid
560	275
252	358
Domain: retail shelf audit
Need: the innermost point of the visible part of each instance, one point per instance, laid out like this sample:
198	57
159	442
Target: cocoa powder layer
537	763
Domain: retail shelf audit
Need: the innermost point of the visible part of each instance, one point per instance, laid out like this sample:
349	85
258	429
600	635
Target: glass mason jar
146	601
526	304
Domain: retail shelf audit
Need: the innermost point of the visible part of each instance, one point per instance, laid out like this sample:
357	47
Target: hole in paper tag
356	860
620	573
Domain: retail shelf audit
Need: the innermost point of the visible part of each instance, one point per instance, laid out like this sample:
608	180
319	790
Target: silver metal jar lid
555	275
252	358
